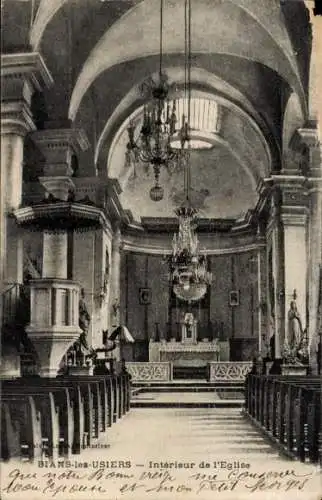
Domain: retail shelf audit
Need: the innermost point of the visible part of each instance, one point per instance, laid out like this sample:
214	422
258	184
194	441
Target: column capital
16	119
17	70
21	75
61	139
117	242
293	217
314	184
308	136
58	146
305	143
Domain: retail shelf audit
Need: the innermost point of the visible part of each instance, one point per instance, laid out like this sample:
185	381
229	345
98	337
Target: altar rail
288	410
150	371
162	371
228	371
53	417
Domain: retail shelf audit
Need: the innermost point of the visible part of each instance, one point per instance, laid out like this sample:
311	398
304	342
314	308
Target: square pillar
306	143
295	264
293	215
58	147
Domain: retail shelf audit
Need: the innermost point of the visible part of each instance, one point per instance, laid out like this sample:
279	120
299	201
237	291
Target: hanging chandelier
188	267
153	146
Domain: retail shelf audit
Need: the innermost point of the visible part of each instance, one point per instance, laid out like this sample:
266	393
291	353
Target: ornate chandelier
153	146
188	267
189	274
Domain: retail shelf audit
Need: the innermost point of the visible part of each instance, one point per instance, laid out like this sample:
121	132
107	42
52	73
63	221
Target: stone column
315	262
54	310
315	97
21	75
274	242
306	145
263	333
308	138
115	278
311	137
293	216
58	146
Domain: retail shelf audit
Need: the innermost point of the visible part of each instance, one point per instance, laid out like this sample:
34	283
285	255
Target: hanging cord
189	95
189	64
185	59
185	110
187	22
161	40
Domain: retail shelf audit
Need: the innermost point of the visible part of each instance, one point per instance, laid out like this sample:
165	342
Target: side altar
188	351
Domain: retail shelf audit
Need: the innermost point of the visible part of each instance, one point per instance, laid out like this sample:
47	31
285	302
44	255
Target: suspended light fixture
188	268
153	146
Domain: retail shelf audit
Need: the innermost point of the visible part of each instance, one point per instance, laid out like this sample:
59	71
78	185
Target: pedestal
291	370
79	371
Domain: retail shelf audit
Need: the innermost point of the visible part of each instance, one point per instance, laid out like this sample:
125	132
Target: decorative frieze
229	371
150	372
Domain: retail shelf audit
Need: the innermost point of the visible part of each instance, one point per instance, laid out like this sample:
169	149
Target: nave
164	452
160	220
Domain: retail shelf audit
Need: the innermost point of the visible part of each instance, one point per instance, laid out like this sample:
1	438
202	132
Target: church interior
161	225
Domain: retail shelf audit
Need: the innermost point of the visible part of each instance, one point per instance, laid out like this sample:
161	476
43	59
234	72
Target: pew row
288	410
45	417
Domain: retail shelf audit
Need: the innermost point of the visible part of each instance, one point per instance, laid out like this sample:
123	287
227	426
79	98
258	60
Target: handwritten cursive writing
101	481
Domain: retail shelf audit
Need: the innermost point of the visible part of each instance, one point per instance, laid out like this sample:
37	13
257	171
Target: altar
188	351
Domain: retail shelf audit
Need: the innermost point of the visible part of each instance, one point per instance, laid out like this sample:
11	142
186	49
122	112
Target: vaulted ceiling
250	57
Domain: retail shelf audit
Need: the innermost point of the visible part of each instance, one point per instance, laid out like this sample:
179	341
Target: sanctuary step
187	397
180	387
193	383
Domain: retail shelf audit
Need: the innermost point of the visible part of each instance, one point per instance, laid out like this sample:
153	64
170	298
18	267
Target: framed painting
145	296
234	298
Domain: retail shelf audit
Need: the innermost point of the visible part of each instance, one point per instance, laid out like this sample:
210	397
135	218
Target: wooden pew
72	411
288	409
20	427
57	415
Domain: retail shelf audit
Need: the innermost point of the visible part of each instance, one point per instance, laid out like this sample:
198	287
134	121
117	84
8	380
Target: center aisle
162	453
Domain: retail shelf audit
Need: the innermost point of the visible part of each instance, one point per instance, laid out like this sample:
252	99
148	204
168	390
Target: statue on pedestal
295	331
295	345
84	320
81	350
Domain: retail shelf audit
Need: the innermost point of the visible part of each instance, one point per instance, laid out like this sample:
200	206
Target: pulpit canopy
123	333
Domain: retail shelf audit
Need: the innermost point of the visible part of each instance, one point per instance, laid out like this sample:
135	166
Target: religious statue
84	320
188	328
188	321
295	331
115	307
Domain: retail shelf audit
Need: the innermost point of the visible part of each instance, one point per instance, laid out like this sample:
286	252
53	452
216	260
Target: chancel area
161	221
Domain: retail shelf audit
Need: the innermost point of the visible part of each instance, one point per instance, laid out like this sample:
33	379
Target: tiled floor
151	439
